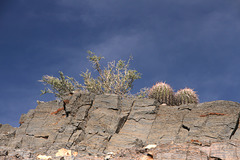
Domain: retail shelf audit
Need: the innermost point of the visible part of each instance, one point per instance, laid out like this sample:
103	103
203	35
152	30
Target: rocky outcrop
7	132
90	124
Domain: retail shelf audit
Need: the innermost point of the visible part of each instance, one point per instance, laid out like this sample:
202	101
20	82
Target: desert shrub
163	93
186	96
59	85
143	93
116	78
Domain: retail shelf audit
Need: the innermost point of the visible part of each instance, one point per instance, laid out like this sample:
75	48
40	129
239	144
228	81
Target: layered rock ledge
89	124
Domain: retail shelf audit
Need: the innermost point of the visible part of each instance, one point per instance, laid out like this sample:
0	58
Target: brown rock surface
97	124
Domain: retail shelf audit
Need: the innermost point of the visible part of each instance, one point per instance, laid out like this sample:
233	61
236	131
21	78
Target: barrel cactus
186	96
163	93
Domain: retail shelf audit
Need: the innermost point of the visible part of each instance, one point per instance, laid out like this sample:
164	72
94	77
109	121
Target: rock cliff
89	124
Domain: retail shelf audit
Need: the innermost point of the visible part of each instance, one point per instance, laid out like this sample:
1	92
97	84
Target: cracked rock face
97	124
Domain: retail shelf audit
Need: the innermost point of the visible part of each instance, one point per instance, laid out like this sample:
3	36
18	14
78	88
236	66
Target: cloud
118	46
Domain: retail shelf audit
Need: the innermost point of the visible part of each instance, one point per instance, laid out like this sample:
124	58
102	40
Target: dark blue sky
187	43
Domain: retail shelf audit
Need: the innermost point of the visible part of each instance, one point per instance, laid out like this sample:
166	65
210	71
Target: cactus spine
186	96
163	93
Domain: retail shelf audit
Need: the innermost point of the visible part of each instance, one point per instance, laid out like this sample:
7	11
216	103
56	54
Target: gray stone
213	121
3	152
7	133
137	125
97	124
6	129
